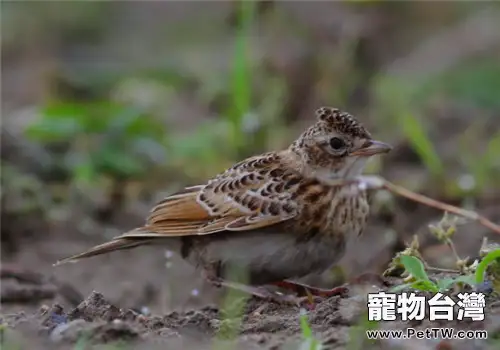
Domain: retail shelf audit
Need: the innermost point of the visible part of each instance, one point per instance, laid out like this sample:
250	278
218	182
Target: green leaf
117	163
84	173
64	110
425	285
485	262
446	283
414	266
90	116
51	130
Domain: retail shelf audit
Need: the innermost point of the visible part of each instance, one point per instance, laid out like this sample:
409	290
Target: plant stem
450	244
469	214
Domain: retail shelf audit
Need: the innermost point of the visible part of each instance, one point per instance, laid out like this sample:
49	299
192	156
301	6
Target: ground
335	321
57	307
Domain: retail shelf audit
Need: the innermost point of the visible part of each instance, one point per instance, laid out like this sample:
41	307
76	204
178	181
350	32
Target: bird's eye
337	143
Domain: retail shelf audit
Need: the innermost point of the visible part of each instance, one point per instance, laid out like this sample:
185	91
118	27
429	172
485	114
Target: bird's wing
252	194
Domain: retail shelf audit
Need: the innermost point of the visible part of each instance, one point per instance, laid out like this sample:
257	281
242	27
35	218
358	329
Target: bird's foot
305	295
305	290
308	296
261	293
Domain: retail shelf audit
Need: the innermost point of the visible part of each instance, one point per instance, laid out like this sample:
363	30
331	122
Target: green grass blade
240	92
417	137
487	260
304	325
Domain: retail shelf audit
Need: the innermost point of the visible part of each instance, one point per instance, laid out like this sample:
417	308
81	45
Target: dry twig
377	182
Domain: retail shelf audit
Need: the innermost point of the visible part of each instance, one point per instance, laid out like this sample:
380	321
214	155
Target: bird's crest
342	122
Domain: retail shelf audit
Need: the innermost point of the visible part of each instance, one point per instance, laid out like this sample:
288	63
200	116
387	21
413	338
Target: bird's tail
116	244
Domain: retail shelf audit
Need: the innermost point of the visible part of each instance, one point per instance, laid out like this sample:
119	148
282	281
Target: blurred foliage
240	89
106	138
22	193
471	85
117	119
49	22
417	137
396	98
475	82
121	139
309	341
483	166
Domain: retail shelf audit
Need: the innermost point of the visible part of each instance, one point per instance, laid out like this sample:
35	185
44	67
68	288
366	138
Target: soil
264	326
56	307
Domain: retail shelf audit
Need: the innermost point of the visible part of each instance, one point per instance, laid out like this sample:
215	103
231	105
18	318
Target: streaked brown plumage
279	215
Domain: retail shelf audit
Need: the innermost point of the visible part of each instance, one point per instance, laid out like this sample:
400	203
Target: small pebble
58	318
58	332
145	311
486	287
44	309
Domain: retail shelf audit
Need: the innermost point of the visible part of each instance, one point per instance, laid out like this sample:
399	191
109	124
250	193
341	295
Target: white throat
353	168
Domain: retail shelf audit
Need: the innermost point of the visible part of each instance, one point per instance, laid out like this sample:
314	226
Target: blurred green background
108	106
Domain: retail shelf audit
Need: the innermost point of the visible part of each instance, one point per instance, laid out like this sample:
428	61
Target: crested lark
279	215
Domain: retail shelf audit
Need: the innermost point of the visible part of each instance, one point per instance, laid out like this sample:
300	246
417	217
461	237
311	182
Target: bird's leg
304	290
259	292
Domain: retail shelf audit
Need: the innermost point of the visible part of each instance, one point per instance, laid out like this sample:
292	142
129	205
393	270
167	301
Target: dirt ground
335	321
147	298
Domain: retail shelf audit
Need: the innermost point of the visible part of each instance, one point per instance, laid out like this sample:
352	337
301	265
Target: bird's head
336	146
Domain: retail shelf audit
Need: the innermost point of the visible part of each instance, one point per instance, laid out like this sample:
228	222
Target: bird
277	216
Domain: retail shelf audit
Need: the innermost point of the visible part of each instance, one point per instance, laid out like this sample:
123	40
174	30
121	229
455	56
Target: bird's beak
371	148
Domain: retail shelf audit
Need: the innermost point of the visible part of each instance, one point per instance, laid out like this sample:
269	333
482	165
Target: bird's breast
338	211
349	210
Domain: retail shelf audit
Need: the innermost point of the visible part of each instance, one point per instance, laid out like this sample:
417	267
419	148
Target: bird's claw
307	302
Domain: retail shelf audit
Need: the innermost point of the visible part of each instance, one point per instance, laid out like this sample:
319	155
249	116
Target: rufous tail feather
116	244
